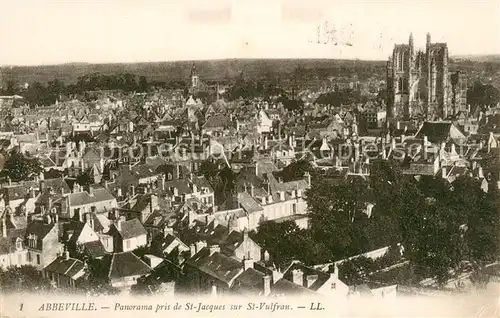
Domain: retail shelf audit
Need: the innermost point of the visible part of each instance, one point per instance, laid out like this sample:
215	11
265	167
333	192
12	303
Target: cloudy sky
99	31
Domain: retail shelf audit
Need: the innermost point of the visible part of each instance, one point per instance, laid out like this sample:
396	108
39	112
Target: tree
286	242
143	85
480	95
338	217
22	279
18	167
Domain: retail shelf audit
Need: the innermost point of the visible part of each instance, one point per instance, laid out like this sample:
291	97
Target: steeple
428	39
410	41
193	70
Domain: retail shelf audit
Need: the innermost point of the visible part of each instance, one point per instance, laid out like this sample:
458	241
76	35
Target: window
294	208
38	259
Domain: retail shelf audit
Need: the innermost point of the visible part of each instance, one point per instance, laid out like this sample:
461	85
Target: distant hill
180	70
492	58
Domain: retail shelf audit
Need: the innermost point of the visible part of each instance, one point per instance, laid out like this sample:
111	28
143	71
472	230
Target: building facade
419	83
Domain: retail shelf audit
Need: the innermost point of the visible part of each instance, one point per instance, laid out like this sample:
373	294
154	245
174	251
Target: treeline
341	97
481	95
45	95
440	225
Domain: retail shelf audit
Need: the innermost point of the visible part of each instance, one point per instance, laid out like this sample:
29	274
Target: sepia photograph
279	157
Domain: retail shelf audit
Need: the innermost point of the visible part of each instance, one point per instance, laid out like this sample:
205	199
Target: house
95	200
208	271
438	132
128	235
327	284
169	246
65	272
265	124
241	246
42	241
13	251
124	269
217	125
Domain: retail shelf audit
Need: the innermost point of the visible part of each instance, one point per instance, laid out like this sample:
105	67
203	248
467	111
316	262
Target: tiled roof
126	264
216	265
71	267
131	228
8	244
83	198
250	281
285	287
95	248
39	227
322	277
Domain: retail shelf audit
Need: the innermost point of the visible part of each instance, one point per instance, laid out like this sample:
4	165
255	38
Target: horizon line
227	59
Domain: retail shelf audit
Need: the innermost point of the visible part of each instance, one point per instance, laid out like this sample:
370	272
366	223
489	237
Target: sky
106	31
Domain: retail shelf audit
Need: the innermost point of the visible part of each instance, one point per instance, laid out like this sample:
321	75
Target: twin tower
419	83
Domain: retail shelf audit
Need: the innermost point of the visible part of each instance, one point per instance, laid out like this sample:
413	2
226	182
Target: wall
16	258
134	243
87	235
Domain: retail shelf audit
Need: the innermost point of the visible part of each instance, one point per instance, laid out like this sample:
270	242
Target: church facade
420	84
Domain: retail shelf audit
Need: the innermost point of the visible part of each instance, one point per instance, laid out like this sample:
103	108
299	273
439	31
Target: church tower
194	81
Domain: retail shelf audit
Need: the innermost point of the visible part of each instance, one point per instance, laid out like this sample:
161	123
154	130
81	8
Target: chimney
311	279
252	189
256	168
48	218
263	200
453	148
176	192
66	254
153	201
214	248
163	182
118	224
282	195
91	191
298	277
247	263
42	186
480	172
32	190
168	230
426	140
132	191
266	256
276	276
267	285
398	125
308	176
270	199
335	274
4	227
192	249
199	245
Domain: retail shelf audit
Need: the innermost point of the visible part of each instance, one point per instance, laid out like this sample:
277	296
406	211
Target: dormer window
19	244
